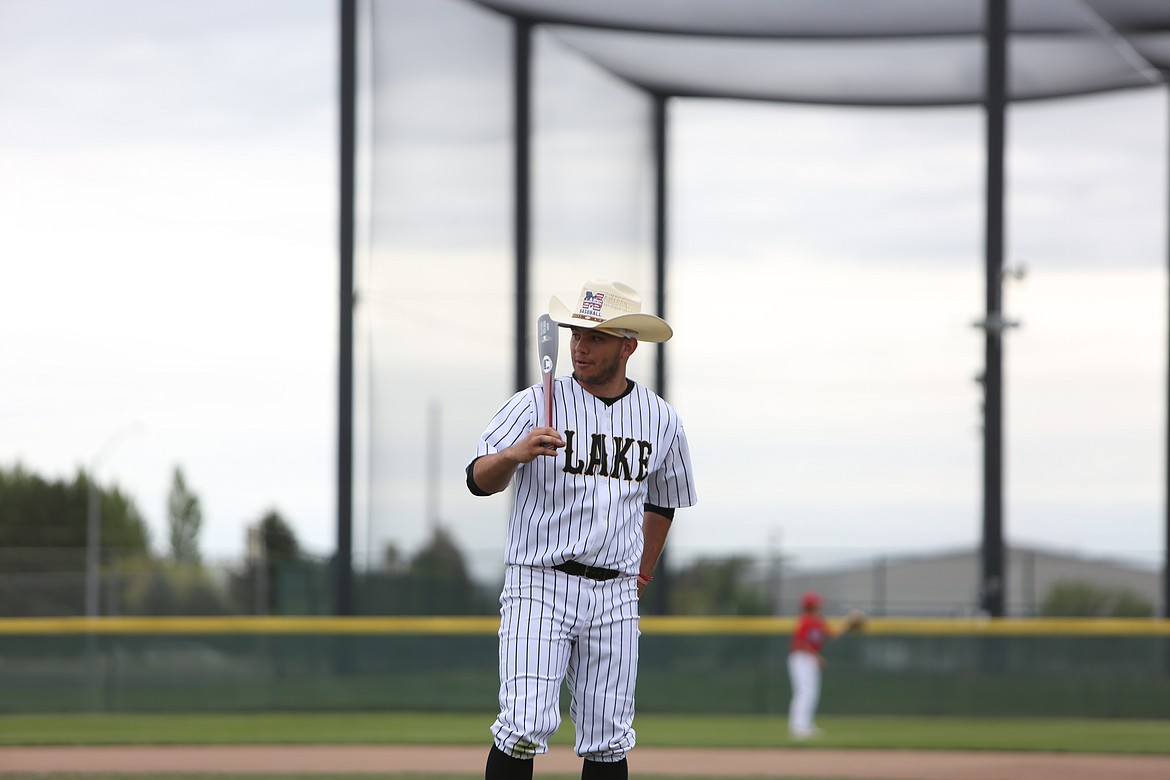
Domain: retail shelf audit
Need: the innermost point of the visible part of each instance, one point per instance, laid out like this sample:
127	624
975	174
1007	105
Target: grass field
736	731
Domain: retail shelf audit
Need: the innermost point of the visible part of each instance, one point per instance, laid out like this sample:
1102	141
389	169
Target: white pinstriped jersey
587	503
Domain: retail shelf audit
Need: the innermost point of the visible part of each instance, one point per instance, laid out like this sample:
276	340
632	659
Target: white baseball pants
556	626
804	672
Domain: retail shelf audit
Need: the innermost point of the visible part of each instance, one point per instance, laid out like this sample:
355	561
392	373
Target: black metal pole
1166	496
658	120
347	130
521	129
993	586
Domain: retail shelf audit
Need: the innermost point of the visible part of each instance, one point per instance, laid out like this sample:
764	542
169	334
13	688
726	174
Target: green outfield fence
1031	667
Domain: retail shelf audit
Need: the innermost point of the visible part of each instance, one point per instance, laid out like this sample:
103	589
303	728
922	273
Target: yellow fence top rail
661	625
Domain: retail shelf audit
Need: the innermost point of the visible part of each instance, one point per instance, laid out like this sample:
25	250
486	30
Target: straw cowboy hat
611	307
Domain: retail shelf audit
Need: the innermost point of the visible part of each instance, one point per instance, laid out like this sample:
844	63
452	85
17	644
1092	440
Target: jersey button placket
600	530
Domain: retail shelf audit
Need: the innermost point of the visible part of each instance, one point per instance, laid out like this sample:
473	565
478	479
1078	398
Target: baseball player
805	663
594	498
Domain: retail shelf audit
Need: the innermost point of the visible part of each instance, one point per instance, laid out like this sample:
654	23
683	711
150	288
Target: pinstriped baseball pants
556	626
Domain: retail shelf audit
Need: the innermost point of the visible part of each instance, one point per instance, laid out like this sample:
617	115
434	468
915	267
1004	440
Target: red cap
810	599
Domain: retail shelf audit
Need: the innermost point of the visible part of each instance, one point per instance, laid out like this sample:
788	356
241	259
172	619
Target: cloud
169	220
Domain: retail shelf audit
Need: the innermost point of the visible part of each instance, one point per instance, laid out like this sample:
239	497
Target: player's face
598	358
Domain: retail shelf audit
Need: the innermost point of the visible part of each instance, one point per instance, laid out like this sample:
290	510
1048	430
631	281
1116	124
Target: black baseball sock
501	766
605	770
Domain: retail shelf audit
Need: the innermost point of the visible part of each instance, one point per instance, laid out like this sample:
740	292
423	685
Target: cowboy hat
611	307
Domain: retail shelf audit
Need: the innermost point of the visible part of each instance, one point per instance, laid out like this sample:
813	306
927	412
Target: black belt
588	572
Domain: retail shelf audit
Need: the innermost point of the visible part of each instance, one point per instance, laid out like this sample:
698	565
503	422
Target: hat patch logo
591	305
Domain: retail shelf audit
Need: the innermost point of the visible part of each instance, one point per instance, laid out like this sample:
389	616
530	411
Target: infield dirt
774	763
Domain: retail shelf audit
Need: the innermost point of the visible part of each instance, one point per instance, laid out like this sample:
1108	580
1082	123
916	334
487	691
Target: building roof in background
861	52
946	583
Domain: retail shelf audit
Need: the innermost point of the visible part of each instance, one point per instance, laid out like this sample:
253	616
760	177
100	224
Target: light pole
93	521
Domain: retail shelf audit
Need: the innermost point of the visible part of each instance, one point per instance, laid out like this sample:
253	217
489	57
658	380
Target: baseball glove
855	620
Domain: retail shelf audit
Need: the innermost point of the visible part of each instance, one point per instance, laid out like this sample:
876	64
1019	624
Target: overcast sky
168	294
168	210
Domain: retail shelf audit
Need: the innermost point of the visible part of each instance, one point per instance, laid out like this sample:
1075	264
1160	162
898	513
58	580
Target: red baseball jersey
811	632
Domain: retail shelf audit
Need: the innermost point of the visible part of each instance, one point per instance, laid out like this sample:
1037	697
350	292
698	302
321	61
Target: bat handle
548	400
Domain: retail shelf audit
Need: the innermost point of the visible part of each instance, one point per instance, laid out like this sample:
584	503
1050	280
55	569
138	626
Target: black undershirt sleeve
475	489
667	512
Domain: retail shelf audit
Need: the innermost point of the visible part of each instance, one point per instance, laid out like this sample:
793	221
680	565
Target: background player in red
805	663
594	498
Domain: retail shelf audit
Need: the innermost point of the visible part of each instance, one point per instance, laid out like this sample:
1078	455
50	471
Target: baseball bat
547	343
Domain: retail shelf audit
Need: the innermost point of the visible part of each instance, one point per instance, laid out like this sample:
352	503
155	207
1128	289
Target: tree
161	587
1071	598
43	537
437	581
718	586
273	548
282	551
434	581
40	513
440	561
280	542
185	518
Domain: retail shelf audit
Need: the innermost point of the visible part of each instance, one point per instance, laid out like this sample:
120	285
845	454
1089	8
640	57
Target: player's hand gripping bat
547	343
